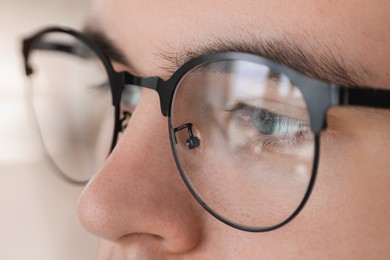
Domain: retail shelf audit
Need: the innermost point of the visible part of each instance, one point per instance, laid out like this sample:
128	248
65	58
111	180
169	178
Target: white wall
37	209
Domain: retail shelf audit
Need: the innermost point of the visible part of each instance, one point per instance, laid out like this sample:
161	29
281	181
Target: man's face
138	204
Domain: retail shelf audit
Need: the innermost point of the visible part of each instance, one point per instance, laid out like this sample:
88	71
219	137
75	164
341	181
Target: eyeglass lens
72	104
243	141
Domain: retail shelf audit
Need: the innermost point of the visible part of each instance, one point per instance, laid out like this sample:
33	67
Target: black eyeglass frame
319	96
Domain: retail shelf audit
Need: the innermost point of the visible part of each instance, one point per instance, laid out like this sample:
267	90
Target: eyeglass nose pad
124	120
193	141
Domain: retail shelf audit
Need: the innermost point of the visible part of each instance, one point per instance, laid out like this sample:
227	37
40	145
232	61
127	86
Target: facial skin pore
138	204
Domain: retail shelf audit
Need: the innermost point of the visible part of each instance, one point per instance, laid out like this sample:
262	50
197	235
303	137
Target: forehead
357	30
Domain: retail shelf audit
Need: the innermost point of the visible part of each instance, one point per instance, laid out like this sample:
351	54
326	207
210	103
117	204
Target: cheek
349	204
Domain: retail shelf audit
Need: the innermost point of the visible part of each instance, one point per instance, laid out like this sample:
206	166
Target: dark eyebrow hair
106	45
323	65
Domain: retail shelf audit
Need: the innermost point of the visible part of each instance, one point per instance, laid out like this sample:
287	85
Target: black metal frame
318	95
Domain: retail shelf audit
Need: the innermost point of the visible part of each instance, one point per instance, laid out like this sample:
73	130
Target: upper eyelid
287	110
281	116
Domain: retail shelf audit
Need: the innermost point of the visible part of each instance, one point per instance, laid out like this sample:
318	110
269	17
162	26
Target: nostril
156	243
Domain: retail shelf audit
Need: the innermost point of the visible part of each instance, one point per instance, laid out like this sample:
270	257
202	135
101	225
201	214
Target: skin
137	203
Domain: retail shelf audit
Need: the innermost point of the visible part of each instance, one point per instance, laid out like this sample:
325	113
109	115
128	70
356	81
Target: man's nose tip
144	216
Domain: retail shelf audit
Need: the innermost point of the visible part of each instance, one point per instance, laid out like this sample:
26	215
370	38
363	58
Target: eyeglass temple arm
51	46
368	97
148	82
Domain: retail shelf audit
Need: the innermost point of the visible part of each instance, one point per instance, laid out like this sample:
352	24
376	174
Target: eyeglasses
244	130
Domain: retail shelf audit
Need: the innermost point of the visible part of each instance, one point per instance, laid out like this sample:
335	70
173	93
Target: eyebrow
326	65
323	65
106	45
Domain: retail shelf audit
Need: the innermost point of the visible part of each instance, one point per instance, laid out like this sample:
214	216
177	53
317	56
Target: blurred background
37	208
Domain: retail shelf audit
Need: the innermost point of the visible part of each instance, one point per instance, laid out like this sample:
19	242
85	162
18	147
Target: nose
138	196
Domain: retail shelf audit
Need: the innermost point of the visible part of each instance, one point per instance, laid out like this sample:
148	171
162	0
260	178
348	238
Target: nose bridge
138	190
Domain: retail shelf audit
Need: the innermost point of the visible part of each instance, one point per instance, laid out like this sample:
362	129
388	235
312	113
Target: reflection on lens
254	162
72	103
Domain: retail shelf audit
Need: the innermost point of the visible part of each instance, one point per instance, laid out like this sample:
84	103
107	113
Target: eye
270	129
267	123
